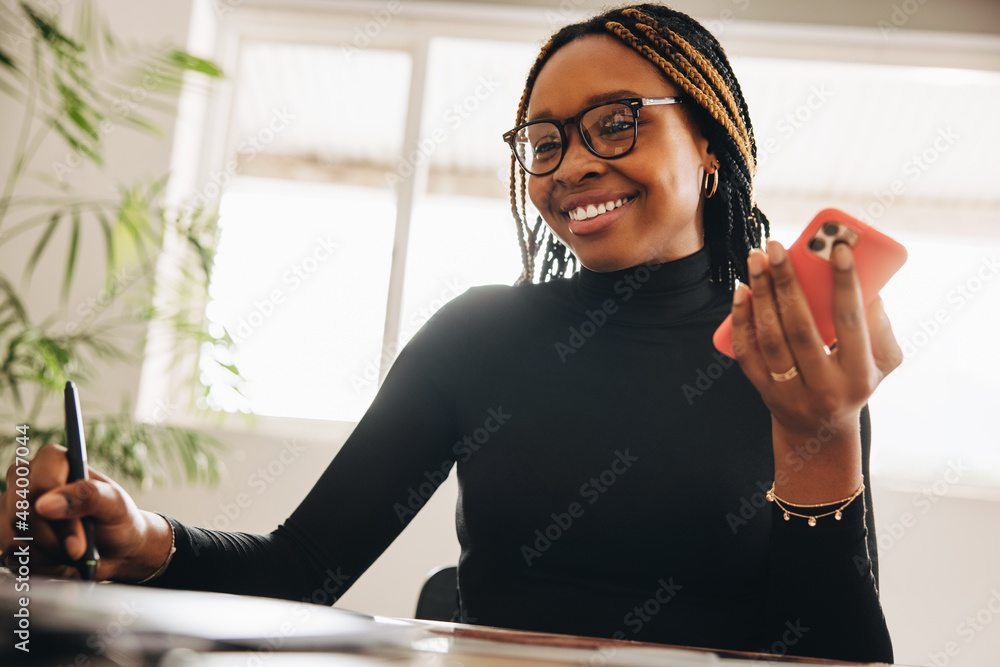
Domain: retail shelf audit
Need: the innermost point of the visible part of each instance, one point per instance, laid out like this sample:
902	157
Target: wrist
155	548
820	466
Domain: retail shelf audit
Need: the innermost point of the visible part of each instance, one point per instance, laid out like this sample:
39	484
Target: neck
650	294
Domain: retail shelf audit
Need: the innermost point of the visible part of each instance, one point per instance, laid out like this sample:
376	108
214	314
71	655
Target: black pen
76	453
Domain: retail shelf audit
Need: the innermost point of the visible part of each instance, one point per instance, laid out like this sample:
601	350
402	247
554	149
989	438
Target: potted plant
79	86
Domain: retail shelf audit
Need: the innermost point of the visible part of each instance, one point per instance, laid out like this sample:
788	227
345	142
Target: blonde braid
713	106
654	32
519	225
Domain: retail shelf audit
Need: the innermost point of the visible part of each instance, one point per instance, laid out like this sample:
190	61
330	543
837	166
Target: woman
606	489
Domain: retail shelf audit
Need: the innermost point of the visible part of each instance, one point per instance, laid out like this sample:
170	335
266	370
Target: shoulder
505	300
488	312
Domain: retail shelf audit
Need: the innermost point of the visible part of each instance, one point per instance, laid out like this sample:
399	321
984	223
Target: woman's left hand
774	335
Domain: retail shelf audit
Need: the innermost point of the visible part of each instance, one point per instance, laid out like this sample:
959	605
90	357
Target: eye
546	149
616	124
544	141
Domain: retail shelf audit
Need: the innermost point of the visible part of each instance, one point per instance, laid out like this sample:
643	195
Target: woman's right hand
131	543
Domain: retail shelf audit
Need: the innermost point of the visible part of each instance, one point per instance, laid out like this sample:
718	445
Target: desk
92	625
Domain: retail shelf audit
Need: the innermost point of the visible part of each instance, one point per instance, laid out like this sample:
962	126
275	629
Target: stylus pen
76	453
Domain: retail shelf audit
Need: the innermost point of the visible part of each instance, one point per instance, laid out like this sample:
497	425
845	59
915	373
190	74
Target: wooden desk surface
87	625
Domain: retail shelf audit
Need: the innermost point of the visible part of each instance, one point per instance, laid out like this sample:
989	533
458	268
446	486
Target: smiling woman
600	494
660	182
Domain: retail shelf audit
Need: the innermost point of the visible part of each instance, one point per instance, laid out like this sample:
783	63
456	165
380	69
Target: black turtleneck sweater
612	468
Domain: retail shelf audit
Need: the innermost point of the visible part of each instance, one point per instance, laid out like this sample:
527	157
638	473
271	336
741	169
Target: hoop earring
715	184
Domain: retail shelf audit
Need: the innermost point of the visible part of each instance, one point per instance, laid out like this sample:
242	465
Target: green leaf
49	32
109	247
7	61
42	242
186	61
71	255
78	145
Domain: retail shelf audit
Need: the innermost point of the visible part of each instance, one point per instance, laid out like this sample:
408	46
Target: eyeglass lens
608	130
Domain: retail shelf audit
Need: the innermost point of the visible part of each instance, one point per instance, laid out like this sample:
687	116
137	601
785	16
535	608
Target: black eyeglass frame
633	103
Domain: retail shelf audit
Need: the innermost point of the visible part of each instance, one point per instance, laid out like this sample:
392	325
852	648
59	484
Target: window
309	220
395	221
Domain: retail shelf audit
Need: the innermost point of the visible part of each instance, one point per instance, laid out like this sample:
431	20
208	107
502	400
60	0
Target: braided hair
690	57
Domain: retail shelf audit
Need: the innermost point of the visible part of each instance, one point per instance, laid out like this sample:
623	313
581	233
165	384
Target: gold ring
787	375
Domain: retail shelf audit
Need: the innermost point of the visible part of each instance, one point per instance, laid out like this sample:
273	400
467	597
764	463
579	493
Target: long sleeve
611	468
823	583
396	457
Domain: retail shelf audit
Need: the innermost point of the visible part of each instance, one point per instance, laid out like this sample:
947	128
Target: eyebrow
590	101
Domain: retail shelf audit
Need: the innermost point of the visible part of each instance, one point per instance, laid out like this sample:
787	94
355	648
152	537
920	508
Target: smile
592	210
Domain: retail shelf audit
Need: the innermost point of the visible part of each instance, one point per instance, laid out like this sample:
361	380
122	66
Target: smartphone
876	256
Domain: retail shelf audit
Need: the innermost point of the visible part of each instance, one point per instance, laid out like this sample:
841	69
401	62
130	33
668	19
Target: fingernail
756	262
53	505
739	296
842	257
776	253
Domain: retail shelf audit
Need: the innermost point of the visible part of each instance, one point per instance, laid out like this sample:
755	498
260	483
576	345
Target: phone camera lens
831	228
817	244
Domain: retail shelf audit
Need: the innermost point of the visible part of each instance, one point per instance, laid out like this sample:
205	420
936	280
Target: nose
578	163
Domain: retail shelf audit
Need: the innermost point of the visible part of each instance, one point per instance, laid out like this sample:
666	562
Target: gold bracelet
837	513
170	554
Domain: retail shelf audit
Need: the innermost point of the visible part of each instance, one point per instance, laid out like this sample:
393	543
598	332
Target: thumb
72	501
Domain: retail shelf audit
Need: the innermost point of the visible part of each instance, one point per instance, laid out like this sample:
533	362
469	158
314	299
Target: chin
604	263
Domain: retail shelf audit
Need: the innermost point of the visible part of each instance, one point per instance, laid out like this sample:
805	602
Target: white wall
938	569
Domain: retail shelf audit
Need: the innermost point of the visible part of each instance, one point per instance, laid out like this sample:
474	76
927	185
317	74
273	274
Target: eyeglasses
608	131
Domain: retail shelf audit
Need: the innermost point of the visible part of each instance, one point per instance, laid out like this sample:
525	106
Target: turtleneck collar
650	294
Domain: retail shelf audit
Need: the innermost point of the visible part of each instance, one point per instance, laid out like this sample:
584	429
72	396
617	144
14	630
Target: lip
600	222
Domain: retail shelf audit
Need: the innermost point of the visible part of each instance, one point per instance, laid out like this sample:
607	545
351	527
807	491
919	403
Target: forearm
275	565
821	583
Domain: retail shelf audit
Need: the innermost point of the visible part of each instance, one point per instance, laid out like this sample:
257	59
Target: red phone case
876	256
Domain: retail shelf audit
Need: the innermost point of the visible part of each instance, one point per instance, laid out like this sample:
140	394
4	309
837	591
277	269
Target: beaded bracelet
170	554
811	518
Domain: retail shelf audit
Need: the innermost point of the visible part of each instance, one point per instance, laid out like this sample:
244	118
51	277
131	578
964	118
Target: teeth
591	211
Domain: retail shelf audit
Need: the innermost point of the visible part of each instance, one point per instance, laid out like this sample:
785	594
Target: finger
86	497
885	349
770	336
798	325
853	342
744	337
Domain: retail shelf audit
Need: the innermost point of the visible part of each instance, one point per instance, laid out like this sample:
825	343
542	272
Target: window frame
205	137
